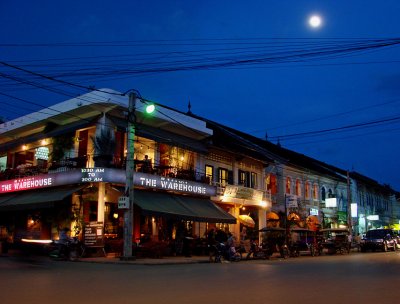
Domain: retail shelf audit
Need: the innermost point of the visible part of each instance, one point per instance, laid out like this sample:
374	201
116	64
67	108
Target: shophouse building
65	166
374	205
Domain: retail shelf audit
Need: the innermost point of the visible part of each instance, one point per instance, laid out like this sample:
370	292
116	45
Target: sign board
123	202
331	202
150	181
107	175
93	235
243	193
291	201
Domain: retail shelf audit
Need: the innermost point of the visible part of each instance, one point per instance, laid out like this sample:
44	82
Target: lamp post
129	187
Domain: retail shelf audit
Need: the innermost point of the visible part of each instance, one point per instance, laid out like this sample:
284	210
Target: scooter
68	251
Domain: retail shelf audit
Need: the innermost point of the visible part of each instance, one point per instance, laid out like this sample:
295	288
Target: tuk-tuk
303	240
336	240
274	241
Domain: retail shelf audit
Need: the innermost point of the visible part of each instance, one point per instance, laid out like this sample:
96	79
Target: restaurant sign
107	175
243	193
172	184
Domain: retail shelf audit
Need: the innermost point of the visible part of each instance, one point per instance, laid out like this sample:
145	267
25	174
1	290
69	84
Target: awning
181	207
43	198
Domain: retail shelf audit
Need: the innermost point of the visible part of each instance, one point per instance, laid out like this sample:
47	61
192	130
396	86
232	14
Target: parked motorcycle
221	251
67	251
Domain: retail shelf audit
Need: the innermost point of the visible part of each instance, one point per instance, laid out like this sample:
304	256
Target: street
354	278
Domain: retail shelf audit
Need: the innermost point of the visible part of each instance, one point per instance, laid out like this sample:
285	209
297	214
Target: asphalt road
355	278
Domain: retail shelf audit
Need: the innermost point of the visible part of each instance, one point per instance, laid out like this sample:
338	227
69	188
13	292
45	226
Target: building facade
66	167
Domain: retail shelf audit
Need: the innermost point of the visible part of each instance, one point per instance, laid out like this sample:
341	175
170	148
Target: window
272	184
223	176
209	174
323	195
253	180
308	186
244	178
288	185
315	191
298	187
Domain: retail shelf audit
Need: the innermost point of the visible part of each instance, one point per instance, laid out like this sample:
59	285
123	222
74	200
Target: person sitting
146	168
63	240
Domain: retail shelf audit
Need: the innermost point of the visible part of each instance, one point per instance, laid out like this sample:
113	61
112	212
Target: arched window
323	194
308	186
315	191
288	185
298	187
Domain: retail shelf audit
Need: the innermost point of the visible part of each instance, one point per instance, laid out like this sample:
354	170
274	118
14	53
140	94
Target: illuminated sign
374	217
107	175
331	202
93	175
42	153
243	193
313	211
172	184
354	210
26	183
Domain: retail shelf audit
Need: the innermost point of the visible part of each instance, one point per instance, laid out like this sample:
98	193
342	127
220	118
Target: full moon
315	21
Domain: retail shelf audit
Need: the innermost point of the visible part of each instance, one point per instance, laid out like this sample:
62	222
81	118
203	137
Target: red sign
28	183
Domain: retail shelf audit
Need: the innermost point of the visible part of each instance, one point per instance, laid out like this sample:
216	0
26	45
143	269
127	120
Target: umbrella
272	216
247	220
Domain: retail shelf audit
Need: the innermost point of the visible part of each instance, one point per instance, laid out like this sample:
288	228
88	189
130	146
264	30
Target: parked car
379	239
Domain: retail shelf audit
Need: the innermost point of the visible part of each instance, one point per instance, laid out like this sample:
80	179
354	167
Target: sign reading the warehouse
106	175
26	183
172	184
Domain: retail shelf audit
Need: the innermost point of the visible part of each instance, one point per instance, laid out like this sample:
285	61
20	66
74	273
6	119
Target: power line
290	136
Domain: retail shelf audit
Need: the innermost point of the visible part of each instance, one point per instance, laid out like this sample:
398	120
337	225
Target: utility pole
129	187
349	218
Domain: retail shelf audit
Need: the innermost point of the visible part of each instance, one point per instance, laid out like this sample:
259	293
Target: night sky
331	92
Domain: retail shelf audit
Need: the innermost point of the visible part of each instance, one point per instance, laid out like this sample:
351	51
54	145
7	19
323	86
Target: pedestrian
243	233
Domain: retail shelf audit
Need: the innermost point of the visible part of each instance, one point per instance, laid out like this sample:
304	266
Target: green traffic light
150	108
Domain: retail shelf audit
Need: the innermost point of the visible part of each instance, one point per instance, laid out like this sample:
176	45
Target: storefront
165	208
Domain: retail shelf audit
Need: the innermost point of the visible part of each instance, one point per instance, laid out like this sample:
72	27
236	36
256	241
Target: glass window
308	186
323	194
253	180
288	185
315	191
244	178
272	183
298	187
223	176
209	174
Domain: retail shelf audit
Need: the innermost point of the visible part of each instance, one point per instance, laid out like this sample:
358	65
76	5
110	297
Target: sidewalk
111	259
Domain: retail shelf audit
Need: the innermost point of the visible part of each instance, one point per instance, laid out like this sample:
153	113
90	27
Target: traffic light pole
129	187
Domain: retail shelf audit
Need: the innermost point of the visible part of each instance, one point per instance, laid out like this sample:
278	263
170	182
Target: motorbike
67	251
221	251
257	252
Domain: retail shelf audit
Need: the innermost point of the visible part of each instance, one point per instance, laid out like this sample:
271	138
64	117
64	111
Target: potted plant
61	144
